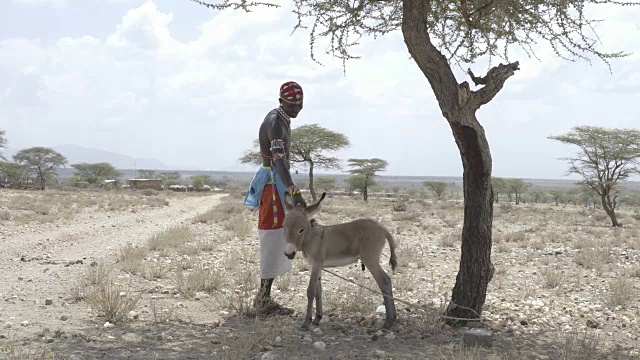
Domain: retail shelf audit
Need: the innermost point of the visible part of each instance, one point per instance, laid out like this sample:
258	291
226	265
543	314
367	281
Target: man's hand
298	199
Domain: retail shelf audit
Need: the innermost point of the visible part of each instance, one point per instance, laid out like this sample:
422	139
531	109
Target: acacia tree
147	174
3	144
367	169
13	172
437	187
518	187
42	161
308	145
94	173
606	158
439	34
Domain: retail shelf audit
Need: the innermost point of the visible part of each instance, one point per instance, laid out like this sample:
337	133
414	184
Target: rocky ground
88	275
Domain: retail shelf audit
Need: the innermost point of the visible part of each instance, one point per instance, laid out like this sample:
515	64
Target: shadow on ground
413	337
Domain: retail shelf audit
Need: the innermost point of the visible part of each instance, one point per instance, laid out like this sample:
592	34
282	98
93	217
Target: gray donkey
338	245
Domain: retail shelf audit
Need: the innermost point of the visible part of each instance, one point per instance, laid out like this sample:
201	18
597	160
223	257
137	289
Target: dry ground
170	276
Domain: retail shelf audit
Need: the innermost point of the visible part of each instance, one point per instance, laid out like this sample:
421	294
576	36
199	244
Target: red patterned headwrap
291	92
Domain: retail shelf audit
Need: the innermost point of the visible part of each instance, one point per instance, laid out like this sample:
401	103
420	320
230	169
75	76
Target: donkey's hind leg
384	283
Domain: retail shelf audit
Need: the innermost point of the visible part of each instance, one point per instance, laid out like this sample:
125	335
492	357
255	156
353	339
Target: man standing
267	194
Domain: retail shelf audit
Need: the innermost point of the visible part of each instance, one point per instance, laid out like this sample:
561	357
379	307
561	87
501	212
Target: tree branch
493	82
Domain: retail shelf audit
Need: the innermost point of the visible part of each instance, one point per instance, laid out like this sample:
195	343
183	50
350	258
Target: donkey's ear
288	206
314	208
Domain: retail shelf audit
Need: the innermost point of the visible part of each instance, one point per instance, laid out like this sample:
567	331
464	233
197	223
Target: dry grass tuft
170	238
131	259
112	301
620	293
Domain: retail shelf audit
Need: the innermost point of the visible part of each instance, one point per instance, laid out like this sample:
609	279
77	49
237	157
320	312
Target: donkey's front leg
311	294
319	312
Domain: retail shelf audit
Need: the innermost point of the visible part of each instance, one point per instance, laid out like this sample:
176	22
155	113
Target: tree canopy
365	170
3	144
43	161
96	172
606	158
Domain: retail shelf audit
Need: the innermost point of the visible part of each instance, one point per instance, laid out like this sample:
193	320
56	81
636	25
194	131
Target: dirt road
40	262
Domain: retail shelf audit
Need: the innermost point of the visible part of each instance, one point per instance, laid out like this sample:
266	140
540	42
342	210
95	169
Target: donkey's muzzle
290	256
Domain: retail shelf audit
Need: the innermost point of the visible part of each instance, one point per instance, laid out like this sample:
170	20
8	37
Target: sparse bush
170	238
131	259
199	279
5	215
112	301
620	292
592	258
400	204
552	277
161	314
449	240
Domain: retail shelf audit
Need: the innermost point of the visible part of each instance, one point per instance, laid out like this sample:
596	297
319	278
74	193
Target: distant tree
199	181
518	187
3	144
309	143
607	157
359	182
13	172
44	162
557	196
326	183
499	187
96	172
147	174
438	188
367	168
170	178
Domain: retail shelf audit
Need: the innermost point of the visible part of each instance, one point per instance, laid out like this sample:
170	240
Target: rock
25	323
317	331
133	315
108	324
64	318
131	337
379	354
319	345
390	336
48	301
480	337
278	339
381	309
307	339
48	340
592	324
269	355
8	325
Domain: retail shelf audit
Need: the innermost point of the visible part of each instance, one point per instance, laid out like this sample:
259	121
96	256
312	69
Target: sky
177	82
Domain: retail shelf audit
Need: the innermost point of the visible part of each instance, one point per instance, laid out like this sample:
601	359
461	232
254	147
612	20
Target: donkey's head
297	225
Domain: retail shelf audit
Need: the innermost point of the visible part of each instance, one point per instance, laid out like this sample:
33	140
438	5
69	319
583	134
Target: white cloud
145	91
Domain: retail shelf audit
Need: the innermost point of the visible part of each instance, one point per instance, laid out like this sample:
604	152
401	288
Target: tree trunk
459	104
610	208
476	270
312	190
365	194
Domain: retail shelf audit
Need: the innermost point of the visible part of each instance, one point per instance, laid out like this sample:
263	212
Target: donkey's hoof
305	324
316	321
388	324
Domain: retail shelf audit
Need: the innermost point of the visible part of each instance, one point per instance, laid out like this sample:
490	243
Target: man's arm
276	138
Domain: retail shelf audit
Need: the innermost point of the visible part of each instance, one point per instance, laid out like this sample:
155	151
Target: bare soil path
39	263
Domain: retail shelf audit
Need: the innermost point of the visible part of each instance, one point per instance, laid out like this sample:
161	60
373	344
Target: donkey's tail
393	261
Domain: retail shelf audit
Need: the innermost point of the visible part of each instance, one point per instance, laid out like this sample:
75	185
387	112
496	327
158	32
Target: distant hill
77	154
